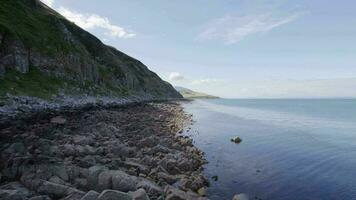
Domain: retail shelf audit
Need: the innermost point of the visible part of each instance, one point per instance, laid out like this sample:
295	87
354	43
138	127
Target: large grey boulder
93	175
114	195
123	182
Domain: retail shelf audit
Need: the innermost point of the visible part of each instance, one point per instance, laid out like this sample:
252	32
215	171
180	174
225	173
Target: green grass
37	84
34	83
34	26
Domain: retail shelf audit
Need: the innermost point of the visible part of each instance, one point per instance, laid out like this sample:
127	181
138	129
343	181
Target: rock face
35	37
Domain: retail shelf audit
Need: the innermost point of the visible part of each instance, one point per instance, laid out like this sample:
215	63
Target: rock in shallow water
236	139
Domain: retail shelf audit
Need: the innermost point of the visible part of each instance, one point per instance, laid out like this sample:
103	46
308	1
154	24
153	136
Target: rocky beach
124	152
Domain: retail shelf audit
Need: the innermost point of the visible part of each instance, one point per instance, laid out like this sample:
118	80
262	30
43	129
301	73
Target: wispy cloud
49	3
232	29
175	76
204	81
91	21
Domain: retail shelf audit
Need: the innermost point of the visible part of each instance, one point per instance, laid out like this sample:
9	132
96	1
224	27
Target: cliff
190	94
44	55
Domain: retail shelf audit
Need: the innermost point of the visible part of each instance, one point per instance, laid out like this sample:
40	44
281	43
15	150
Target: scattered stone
124	151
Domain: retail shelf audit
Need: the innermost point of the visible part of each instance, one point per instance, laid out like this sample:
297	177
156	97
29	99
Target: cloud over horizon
232	29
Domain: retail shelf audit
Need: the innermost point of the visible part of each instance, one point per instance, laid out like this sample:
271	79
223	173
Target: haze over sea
291	148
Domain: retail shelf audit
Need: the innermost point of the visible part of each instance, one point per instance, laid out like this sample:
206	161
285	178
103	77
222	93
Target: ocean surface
291	149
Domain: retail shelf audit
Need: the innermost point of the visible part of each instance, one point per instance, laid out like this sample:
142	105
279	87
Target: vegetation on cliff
43	54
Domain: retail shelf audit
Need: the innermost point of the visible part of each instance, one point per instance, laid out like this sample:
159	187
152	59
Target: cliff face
42	54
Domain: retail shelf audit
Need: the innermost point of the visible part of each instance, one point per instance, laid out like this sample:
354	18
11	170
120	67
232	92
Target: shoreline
135	151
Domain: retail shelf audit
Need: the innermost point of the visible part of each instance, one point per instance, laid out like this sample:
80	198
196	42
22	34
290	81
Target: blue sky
232	48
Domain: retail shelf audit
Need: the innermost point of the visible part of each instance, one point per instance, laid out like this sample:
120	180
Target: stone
14	191
57	190
91	195
170	179
58	120
16	148
202	191
94	174
56	179
114	195
104	181
140	194
151	188
236	140
82	140
123	182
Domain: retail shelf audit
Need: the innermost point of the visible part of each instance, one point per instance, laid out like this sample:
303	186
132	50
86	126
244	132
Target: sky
232	48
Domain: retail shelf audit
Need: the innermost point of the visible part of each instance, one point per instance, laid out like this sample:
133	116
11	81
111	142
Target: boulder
240	197
152	188
140	194
104	180
93	175
114	195
123	182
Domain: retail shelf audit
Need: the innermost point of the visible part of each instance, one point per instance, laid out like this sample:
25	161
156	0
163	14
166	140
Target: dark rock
236	139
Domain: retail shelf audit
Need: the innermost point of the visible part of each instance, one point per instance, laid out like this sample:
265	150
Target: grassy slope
38	28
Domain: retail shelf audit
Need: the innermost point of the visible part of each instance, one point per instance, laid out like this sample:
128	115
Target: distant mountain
43	54
190	94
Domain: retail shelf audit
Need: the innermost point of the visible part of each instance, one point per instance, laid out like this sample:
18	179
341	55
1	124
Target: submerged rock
236	139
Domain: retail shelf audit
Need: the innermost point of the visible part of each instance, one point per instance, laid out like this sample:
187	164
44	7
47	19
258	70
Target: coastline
135	151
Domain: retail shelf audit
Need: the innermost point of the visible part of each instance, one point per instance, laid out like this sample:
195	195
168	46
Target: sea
291	149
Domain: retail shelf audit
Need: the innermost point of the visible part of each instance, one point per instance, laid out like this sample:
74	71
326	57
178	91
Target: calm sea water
291	149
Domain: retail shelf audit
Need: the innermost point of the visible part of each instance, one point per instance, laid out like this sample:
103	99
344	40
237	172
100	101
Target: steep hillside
42	54
190	94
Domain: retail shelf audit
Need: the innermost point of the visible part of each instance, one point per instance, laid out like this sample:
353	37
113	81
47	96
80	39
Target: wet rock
236	140
91	195
114	195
